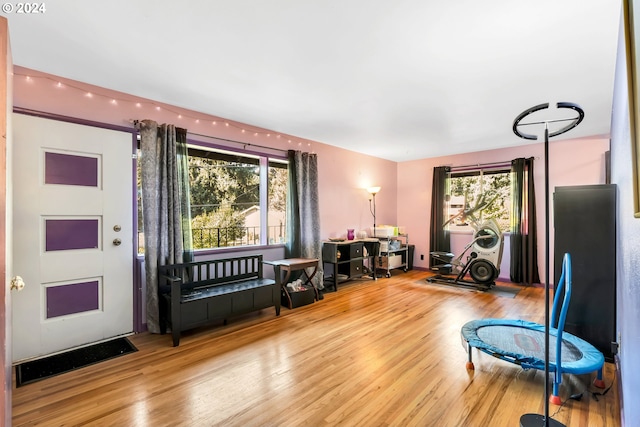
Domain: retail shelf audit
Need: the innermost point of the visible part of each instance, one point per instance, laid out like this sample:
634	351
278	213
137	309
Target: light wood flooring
375	353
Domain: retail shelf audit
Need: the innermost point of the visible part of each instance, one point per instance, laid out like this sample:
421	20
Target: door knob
117	242
17	283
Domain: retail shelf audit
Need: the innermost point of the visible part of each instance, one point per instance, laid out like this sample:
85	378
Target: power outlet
615	345
619	341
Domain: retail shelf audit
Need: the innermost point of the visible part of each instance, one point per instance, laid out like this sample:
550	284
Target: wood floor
383	353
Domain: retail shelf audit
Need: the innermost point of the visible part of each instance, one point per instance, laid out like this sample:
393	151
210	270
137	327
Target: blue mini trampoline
523	343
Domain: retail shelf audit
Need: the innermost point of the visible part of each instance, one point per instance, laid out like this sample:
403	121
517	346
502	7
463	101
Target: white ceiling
400	80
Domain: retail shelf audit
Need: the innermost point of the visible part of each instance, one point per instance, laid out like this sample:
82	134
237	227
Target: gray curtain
524	242
165	205
439	236
303	213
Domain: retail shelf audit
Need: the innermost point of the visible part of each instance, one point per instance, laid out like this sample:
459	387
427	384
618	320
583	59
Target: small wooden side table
295	264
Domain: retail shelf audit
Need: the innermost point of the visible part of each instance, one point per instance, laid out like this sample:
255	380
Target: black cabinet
585	227
350	259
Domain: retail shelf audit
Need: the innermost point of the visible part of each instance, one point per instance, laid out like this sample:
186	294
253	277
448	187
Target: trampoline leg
555	398
470	366
599	382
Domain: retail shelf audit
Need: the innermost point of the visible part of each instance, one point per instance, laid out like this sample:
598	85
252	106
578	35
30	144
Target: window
227	203
276	219
468	189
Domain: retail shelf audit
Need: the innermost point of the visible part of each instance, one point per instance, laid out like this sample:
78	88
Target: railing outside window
208	238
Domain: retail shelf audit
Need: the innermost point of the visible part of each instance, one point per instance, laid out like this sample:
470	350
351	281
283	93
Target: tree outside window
467	188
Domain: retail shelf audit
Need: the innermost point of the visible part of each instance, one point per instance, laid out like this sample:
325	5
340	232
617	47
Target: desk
295	264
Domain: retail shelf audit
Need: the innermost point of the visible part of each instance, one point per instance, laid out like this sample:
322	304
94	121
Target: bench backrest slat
212	272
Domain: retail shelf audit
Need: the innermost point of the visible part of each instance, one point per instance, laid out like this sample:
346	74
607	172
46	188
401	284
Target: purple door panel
67	169
74	298
67	234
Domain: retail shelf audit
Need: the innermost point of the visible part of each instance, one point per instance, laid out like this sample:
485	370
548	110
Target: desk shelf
349	259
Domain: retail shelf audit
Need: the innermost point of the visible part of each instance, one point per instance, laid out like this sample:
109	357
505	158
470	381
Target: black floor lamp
531	420
373	191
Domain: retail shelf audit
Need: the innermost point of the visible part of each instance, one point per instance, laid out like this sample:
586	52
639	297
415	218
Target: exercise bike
482	256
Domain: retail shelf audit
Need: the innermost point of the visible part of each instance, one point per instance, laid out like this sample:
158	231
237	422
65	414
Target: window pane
225	199
468	190
277	202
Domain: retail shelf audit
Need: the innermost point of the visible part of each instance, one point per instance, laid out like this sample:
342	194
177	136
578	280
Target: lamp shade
373	190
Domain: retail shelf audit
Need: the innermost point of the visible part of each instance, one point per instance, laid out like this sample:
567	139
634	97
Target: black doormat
46	367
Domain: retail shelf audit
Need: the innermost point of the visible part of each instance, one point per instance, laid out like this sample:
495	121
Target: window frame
263	165
478	171
263	161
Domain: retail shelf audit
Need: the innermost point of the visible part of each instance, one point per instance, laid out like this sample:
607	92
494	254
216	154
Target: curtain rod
244	144
479	165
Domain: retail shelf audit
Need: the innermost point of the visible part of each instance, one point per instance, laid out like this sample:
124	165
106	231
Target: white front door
73	236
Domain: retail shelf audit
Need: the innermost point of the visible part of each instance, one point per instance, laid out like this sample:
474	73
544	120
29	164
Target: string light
137	104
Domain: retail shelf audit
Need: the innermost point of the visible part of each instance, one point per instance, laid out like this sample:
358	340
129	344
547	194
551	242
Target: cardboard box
388	262
383	232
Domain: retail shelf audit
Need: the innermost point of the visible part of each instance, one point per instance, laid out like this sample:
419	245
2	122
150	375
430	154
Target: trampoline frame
592	359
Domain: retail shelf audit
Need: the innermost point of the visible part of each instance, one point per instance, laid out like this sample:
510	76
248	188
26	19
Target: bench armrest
166	283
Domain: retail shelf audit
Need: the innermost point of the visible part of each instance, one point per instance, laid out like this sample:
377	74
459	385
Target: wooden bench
200	292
